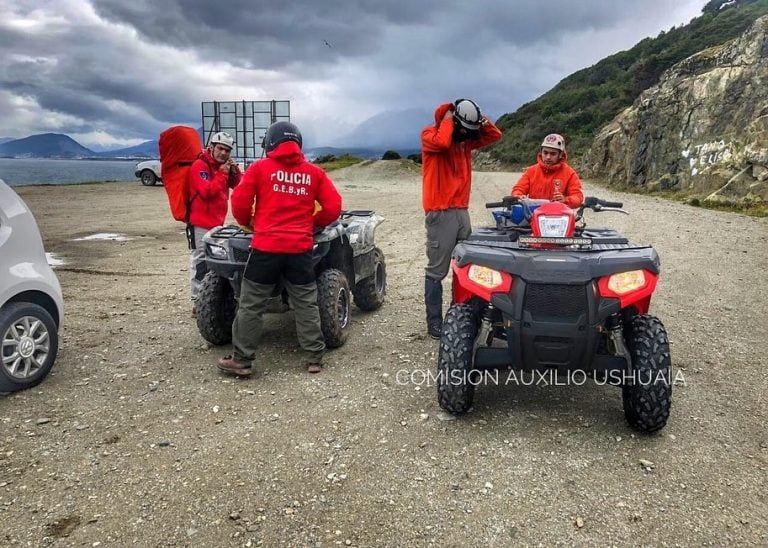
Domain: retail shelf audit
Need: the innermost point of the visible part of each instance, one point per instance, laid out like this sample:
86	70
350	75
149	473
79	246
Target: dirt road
137	439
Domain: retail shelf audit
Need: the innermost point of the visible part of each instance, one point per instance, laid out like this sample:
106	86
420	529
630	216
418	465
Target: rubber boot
433	299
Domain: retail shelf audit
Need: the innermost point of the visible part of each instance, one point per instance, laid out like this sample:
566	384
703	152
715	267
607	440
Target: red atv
540	292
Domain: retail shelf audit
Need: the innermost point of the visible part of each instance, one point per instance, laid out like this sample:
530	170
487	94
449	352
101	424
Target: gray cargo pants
445	229
197	265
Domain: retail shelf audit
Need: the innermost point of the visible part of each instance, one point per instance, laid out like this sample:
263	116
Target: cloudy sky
115	72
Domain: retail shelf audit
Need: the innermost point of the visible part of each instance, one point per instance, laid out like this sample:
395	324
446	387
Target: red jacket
447	166
282	188
539	182
209	191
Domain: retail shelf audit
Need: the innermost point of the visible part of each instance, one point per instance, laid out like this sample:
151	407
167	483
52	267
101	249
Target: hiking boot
434	328
230	365
314	367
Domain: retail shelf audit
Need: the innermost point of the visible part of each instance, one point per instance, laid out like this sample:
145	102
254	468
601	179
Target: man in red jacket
446	149
551	178
277	198
210	178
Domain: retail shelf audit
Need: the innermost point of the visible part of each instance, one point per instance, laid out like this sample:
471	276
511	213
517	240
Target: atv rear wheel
647	397
455	390
369	293
333	300
216	309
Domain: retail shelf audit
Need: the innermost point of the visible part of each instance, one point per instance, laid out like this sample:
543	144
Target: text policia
291	183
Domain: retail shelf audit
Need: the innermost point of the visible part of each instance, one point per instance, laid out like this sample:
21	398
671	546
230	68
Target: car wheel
148	178
30	342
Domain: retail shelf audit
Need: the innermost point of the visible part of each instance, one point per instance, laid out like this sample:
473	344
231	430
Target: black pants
269	268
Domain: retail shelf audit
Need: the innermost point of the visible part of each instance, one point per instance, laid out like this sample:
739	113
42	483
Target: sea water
45	171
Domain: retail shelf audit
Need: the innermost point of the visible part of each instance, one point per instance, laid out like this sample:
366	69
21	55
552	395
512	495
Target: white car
148	172
31	303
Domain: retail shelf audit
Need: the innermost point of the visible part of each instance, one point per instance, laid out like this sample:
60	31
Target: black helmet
280	132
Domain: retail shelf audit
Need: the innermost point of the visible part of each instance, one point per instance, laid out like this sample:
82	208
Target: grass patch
752	209
329	162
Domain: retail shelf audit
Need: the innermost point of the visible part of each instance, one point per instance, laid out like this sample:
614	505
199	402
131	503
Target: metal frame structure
246	121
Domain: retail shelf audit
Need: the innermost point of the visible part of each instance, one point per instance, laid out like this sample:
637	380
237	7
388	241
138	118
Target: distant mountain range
57	145
391	130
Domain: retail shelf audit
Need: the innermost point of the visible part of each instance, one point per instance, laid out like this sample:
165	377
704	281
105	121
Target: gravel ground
136	438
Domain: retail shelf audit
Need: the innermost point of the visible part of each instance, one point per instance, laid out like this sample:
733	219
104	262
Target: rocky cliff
702	130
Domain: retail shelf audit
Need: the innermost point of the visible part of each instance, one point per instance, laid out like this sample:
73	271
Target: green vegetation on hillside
329	162
582	103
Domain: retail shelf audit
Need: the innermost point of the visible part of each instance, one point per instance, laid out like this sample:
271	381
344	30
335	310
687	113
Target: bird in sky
327	44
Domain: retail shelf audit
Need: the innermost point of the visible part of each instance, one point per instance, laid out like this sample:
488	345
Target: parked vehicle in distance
148	172
31	303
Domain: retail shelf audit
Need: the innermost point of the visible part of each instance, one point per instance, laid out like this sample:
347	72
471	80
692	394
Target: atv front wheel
369	293
647	396
455	390
333	299
216	309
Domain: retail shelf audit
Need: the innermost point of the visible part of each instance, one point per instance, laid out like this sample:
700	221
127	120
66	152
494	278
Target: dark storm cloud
271	35
129	69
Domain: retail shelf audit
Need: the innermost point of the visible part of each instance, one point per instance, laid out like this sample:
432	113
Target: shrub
415	158
391	155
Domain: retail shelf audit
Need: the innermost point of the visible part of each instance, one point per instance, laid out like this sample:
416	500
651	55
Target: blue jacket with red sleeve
277	198
209	191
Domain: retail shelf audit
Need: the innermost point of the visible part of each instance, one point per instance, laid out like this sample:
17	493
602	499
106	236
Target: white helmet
553	140
467	113
223	138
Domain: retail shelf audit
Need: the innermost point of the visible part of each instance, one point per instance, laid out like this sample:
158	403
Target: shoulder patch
204	175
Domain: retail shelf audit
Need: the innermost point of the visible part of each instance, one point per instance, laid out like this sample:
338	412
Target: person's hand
558	196
227	166
448	114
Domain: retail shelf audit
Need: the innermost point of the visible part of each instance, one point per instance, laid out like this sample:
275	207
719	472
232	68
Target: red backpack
179	148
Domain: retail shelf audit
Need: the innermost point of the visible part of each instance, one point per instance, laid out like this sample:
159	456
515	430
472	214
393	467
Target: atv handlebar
592	202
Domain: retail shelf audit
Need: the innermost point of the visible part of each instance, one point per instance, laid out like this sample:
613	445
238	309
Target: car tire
647	397
455	390
369	293
333	300
216	308
148	178
30	342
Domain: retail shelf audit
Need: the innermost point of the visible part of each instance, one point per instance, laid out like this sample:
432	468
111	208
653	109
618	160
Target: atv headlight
625	282
216	251
551	226
484	276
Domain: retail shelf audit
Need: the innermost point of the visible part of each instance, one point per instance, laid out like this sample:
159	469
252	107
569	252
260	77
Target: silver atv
347	263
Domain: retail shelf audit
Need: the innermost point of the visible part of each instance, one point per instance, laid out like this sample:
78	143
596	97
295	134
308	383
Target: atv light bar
526	241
